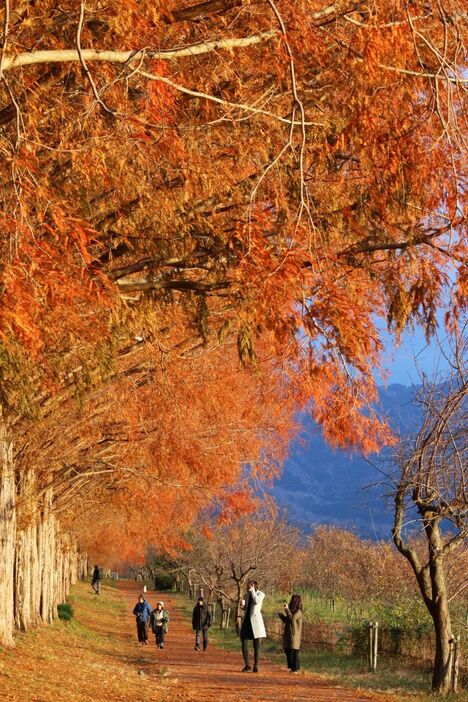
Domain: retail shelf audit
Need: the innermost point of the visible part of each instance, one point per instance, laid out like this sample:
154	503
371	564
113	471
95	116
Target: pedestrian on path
252	628
292	632
159	623
142	612
96	580
201	622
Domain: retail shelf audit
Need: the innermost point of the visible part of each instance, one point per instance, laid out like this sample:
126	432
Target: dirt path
215	675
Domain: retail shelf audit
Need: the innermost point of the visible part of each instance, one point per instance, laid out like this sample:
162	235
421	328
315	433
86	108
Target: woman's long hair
295	603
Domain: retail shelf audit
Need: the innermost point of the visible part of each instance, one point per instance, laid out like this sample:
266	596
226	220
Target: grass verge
92	657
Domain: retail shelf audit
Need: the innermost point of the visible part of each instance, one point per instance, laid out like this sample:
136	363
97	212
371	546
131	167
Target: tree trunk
46	541
22	581
439	610
35	572
25	550
59	567
83	566
7	538
441	675
239	610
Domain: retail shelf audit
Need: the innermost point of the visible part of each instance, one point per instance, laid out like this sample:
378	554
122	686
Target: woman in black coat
292	632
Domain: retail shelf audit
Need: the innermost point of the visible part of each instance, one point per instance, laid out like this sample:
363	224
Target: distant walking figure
252	628
142	612
201	622
159	622
292	632
96	580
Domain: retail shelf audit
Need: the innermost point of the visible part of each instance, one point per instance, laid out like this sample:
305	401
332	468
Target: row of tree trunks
7	538
38	561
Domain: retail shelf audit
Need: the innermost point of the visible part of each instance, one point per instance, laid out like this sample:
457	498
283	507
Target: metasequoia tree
146	451
180	181
432	488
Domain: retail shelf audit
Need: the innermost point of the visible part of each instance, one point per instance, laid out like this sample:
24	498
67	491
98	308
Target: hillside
320	485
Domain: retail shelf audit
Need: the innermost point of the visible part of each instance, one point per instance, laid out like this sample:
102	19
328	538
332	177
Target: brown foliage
340	563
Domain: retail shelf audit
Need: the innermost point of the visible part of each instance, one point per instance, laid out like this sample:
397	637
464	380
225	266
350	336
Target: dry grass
93	658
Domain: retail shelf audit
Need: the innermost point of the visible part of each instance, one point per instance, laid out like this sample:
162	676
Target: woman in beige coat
292	632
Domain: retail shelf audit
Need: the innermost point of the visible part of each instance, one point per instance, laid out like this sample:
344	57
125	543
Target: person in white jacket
253	627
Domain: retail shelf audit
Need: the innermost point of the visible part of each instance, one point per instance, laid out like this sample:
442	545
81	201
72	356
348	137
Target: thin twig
83	62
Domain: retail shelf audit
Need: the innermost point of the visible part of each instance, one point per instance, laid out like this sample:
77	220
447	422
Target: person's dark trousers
96	585
204	632
159	632
245	651
292	655
142	628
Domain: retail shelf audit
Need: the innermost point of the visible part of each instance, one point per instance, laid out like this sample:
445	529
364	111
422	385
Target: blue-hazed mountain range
320	485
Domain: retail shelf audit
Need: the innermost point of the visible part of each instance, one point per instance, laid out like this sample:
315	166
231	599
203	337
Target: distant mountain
320	485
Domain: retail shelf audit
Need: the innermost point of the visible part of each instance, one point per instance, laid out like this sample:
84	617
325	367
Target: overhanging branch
30	58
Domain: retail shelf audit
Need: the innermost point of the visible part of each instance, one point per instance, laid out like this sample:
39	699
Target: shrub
65	612
163	582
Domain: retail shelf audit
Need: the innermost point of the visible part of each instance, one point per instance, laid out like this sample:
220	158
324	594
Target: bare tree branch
30	58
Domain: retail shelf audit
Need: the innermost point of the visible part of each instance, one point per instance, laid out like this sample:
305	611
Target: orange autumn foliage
265	180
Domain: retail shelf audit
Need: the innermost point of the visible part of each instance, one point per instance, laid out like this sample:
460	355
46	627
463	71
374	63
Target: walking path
215	675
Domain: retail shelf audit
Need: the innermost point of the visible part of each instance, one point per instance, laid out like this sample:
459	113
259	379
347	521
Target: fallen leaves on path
96	658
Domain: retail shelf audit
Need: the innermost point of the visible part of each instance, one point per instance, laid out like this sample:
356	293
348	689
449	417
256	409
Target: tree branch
182	285
226	103
29	58
210	7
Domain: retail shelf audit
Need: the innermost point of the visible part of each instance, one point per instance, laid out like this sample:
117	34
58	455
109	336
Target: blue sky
412	356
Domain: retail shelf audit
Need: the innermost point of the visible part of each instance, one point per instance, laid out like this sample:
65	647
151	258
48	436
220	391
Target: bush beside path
95	657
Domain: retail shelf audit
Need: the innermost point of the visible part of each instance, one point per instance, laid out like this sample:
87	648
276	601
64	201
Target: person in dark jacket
201	622
96	580
142	612
292	632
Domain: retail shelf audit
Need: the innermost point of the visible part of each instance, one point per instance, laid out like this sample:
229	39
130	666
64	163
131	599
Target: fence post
371	627
455	655
376	641
373	644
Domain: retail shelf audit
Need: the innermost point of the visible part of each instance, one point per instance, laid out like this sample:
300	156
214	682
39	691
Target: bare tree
431	489
259	545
